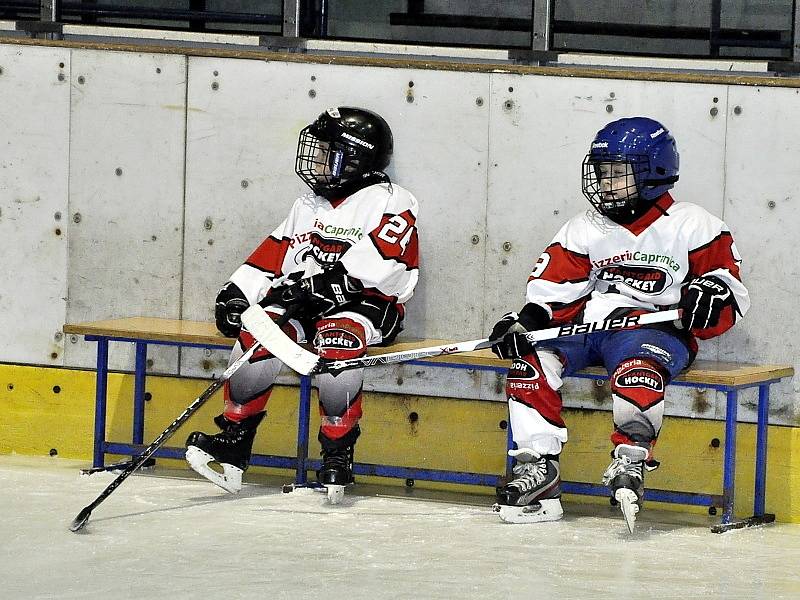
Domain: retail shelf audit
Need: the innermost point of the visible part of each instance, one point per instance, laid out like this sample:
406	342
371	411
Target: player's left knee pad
340	338
641	382
637	387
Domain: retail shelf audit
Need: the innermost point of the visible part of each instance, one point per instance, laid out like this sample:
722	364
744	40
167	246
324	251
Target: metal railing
310	19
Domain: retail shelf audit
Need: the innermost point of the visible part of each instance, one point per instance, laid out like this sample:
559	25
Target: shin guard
637	389
340	338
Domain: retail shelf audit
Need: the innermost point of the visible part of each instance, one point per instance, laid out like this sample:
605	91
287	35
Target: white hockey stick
269	335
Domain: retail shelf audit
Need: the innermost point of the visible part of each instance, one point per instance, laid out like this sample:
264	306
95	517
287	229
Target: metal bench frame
302	463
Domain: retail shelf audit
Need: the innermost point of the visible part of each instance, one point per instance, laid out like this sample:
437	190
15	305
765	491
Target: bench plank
199	332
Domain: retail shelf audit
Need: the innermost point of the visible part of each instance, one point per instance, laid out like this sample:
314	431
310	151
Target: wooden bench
725	377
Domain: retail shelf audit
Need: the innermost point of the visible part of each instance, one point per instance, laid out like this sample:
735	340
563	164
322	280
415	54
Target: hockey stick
304	362
116	467
80	521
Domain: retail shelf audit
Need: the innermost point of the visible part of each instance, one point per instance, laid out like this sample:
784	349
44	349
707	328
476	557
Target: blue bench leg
138	392
100	402
303	417
509	446
729	468
761	450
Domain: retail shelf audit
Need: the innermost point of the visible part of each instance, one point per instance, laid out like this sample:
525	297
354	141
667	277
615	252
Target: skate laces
623	465
529	473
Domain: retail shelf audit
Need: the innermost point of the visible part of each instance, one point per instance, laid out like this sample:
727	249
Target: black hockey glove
230	304
322	294
703	301
507	344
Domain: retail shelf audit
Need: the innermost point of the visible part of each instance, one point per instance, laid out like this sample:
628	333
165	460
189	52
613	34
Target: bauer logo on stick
608	324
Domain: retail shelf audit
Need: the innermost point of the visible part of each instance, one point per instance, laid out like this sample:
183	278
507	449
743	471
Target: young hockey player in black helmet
345	259
636	251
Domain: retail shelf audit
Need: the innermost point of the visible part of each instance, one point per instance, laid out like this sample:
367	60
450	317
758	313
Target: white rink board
245	131
762	168
480	168
125	251
34	137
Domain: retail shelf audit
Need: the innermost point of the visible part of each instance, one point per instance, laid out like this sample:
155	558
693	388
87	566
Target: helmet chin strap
635	208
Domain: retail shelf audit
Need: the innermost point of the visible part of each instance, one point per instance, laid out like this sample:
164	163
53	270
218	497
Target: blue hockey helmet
650	151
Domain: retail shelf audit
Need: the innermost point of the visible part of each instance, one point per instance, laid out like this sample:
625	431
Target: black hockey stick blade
83	517
79	521
753	521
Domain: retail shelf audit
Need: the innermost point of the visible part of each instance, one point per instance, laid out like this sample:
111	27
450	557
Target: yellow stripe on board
51	408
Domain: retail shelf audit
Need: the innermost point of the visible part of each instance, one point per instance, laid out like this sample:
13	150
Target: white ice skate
534	495
628	505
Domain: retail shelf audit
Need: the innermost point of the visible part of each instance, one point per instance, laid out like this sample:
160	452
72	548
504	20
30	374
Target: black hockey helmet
344	150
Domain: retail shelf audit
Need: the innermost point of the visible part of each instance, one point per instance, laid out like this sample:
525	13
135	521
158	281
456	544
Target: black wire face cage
600	189
326	166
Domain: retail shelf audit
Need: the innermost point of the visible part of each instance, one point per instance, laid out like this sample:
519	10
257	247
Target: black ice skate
230	449
336	472
625	477
534	495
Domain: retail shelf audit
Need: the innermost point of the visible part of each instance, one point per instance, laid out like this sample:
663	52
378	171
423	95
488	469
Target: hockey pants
338	336
640	364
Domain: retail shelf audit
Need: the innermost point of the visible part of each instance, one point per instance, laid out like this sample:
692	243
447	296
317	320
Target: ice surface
169	537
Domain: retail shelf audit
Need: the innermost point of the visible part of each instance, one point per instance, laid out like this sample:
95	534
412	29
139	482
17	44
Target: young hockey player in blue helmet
636	251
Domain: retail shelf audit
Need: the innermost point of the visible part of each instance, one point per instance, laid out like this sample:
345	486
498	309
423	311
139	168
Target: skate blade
544	510
628	505
229	480
311	487
335	493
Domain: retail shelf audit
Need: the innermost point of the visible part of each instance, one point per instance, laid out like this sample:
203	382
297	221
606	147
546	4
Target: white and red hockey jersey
372	233
594	267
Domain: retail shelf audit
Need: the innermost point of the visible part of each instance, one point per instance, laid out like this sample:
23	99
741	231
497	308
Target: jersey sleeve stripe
268	257
563	266
716	254
722	236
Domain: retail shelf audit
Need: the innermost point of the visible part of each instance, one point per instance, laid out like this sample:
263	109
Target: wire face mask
631	163
611	183
327	165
